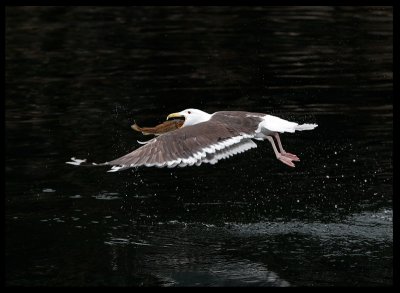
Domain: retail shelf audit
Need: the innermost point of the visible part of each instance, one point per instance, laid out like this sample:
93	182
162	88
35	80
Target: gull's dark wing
207	142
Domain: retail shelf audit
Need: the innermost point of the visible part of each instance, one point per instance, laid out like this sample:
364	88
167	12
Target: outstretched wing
276	124
206	142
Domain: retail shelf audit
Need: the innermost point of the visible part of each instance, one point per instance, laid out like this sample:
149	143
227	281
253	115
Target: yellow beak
174	115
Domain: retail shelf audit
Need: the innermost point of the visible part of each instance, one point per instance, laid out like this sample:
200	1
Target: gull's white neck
203	117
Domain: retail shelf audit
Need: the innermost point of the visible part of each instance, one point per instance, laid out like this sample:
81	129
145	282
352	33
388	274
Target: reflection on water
77	78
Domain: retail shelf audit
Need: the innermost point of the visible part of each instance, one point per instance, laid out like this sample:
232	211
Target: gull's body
208	138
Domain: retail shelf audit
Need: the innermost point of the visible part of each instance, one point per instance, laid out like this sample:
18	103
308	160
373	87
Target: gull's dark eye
189	112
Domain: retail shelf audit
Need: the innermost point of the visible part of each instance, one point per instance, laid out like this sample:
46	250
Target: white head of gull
191	116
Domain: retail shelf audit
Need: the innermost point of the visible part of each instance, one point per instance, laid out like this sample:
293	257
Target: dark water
77	78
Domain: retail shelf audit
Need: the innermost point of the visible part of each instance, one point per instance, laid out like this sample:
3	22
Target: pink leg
283	153
279	156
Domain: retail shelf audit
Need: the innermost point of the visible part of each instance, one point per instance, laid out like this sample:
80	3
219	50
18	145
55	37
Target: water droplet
49	190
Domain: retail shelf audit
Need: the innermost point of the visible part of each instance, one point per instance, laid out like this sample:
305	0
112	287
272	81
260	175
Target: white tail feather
306	126
276	124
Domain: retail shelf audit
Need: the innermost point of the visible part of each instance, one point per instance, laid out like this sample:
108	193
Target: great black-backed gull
208	138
